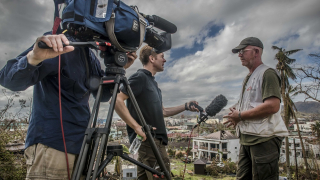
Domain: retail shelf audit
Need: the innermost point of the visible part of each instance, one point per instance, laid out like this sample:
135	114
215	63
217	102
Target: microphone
217	104
161	23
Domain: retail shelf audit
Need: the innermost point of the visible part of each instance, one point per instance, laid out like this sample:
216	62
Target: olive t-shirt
270	88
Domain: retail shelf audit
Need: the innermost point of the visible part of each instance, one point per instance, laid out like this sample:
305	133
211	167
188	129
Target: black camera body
161	42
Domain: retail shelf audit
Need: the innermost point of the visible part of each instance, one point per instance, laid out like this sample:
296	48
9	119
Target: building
129	172
219	145
114	133
295	151
306	127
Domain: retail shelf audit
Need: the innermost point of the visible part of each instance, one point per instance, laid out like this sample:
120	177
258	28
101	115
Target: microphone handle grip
196	105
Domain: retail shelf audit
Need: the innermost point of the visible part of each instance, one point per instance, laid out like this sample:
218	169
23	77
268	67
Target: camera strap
110	30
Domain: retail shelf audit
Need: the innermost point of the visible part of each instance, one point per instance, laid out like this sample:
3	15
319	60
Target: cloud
210	69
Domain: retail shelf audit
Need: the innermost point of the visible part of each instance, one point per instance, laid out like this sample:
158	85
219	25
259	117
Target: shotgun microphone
161	23
217	104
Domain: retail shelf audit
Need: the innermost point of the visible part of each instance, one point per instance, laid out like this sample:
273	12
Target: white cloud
214	69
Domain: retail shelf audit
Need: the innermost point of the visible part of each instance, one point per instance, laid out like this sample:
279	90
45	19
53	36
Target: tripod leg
147	130
84	148
104	137
105	163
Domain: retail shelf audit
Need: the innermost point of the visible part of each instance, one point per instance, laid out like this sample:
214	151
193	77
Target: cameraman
44	153
149	99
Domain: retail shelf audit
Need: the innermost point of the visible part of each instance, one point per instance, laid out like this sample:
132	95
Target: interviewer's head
150	58
145	52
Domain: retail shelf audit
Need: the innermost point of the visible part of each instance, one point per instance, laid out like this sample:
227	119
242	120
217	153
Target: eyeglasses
244	50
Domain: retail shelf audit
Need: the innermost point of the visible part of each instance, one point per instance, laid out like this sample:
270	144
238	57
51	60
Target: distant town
210	143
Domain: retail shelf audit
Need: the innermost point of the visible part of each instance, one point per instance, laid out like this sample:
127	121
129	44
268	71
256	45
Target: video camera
115	22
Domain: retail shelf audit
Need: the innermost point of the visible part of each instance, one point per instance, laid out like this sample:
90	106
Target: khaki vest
251	98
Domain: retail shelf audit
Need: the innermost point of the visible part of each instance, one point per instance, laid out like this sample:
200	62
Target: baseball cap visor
238	48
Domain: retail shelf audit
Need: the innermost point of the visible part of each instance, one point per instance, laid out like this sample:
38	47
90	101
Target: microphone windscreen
217	104
164	24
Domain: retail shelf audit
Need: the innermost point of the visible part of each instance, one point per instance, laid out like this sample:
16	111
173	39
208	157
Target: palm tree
291	114
285	73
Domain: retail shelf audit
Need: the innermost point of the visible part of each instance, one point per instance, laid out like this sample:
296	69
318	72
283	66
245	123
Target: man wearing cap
256	116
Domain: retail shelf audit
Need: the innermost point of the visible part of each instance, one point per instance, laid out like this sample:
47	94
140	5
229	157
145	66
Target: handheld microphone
217	104
161	23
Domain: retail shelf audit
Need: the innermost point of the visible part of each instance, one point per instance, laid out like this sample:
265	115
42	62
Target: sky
200	64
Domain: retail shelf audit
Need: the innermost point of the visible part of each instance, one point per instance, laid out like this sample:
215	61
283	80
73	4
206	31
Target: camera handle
90	159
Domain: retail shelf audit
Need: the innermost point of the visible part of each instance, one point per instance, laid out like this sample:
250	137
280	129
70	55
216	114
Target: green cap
139	137
249	41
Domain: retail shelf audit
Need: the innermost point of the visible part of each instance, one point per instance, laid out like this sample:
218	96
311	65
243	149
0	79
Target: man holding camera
45	152
149	99
256	116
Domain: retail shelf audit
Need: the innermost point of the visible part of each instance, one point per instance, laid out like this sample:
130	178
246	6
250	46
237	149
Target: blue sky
200	64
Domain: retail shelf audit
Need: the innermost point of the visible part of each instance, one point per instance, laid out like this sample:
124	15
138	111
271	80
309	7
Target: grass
177	167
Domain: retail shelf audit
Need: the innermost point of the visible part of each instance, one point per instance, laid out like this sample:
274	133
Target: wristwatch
186	106
240	116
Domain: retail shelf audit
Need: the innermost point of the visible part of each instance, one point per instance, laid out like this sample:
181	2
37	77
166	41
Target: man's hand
37	55
138	130
132	56
192	107
233	117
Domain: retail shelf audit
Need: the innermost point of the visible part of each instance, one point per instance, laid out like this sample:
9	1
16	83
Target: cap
249	41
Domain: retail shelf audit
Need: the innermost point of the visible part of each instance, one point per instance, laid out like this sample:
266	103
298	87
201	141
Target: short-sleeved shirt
148	96
270	88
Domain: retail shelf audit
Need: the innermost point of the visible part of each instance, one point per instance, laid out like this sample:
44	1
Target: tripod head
114	59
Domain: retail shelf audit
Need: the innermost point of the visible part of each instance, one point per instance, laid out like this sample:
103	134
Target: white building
303	127
129	172
295	151
219	145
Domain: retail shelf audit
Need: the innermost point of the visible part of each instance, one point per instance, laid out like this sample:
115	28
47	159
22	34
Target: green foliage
12	166
171	152
179	155
228	168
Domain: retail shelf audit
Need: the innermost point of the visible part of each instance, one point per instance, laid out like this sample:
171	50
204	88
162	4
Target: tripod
94	147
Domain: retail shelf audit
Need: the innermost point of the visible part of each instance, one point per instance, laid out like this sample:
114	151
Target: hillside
308	107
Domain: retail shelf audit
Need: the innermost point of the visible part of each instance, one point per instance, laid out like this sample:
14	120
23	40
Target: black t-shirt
149	99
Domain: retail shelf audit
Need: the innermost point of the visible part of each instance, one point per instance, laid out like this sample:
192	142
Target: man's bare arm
268	107
125	115
171	111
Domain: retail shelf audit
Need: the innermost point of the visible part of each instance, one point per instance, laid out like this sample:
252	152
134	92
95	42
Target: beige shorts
45	163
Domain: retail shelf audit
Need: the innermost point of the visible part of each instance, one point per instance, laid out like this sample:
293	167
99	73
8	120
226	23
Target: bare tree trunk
286	121
295	157
302	145
288	159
